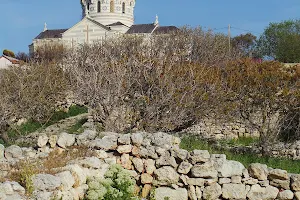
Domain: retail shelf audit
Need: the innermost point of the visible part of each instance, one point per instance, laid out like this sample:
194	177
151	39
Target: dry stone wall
155	161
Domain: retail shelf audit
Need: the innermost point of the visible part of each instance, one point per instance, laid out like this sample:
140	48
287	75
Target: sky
22	20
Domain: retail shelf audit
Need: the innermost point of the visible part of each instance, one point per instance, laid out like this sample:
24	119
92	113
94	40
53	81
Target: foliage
192	142
281	41
117	185
159	83
246	43
49	52
77	128
261	94
9	53
22	56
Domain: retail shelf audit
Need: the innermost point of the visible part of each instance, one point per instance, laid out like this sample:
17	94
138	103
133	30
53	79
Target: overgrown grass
31	126
192	142
241	141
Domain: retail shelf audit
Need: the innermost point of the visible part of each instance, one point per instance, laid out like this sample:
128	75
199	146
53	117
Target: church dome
109	12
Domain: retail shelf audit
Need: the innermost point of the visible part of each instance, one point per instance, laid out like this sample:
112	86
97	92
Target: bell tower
109	11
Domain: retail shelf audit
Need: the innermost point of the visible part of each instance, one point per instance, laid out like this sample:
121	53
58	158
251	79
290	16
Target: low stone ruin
155	161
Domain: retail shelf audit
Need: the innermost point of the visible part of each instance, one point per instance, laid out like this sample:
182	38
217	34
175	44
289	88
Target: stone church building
102	19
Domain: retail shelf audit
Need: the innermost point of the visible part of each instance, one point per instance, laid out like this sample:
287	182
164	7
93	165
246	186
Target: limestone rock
205	170
1	151
259	193
285	195
101	154
78	174
163	140
258	171
236	179
6	188
17	188
231	168
234	191
146	179
148	152
166	160
67	180
85	137
42	195
42	140
124	149
295	182
150	166
224	181
297	195
137	139
126	162
53	140
195	181
163	193
199	156
46	182
198	192
125	139
91	162
146	190
285	184
138	164
106	143
166	176
278	174
66	140
179	153
192	193
184	167
12	152
212	192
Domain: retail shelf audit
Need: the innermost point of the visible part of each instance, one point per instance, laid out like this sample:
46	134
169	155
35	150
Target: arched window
123	7
99	6
112	6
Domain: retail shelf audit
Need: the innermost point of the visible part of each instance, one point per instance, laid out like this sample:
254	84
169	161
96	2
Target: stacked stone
157	163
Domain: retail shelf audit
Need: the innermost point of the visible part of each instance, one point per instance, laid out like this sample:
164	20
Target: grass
77	128
31	126
241	141
192	142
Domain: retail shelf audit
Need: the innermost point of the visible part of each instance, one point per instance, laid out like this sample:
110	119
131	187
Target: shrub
159	83
9	53
117	185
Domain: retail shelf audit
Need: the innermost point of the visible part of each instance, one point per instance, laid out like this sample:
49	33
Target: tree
281	41
246	43
22	56
9	53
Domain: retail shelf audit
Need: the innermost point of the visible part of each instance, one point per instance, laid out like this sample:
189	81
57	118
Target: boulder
65	140
126	162
297	195
42	140
192	192
258	171
90	162
163	140
234	191
163	193
198	156
6	188
148	152
178	153
262	193
85	137
166	176
195	181
285	195
231	168
212	192
53	140
205	170
42	195
285	184
146	190
46	182
13	152
78	173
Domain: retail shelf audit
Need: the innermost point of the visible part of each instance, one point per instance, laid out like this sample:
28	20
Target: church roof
117	24
141	28
55	33
99	24
165	29
150	28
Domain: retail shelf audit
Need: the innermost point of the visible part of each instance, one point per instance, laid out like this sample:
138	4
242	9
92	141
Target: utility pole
229	37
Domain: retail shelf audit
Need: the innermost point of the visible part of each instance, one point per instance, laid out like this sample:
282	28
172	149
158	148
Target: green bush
9	53
117	185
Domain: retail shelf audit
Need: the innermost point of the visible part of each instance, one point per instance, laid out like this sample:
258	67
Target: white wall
4	63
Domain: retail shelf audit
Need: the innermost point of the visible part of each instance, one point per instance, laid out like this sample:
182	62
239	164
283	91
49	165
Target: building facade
101	19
